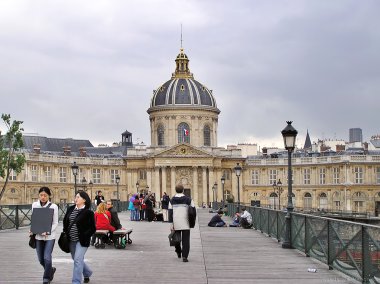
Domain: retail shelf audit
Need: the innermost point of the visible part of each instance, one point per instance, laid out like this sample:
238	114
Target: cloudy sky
87	69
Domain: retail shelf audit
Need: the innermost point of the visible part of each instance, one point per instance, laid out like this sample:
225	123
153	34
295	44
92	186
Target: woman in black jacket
79	224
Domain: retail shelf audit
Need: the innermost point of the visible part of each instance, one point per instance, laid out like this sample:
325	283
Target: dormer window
182	87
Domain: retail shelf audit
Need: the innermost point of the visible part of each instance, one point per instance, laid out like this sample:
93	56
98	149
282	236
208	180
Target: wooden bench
121	238
100	237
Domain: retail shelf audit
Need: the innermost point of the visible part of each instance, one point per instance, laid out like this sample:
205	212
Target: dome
182	90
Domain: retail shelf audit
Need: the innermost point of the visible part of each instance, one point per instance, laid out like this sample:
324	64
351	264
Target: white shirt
54	225
247	215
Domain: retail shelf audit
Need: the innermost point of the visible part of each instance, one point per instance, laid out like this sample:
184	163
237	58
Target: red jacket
102	222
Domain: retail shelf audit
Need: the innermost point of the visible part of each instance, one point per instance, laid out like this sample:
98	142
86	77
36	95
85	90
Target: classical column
220	187
172	180
149	178
204	185
157	183
212	180
195	186
234	185
164	185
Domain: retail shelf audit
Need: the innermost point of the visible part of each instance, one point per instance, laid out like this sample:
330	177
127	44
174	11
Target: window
47	173
160	135
359	206
272	176
378	175
62	174
228	195
323	201
322	176
307	201
183	133
96	175
206	136
226	175
358	175
12	175
273	200
306	176
255	176
114	173
34	170
336	205
336	175
142	174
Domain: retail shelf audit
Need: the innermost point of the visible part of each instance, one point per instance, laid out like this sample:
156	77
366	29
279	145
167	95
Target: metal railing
350	247
15	216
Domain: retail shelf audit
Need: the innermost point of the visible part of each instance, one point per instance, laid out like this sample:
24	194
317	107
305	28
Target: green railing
350	247
15	216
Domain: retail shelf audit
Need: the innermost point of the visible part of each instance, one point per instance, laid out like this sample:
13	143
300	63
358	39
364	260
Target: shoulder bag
63	241
174	238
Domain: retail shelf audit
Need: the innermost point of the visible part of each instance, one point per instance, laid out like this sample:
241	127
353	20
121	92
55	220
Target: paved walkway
217	255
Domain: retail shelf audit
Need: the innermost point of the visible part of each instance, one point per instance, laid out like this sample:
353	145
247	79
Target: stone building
183	117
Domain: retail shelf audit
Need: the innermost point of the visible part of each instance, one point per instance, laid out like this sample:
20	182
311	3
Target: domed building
183	110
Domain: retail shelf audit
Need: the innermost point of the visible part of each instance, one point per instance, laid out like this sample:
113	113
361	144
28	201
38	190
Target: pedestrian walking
82	226
179	217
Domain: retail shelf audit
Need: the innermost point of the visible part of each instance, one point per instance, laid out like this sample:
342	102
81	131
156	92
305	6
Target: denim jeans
44	250
80	267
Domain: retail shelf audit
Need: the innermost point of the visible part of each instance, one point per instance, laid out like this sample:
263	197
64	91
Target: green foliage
10	145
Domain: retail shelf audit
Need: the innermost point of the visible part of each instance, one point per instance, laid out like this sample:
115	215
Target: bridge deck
217	255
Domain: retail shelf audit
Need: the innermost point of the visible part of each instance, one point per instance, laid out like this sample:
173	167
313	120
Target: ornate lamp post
137	187
75	169
277	188
90	184
117	178
289	134
223	180
238	173
84	184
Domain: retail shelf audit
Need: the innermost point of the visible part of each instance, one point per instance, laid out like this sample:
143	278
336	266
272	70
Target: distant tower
126	139
307	145
356	135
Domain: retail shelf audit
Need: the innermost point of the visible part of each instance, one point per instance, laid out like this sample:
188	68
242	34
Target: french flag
185	132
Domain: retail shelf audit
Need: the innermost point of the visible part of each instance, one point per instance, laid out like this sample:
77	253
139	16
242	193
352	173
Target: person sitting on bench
216	220
103	219
115	221
245	219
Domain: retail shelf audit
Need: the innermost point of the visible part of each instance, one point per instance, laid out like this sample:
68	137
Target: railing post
268	223
261	220
366	256
17	221
277	227
330	246
307	238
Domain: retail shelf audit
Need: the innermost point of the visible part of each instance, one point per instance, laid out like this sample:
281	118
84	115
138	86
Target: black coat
115	221
85	223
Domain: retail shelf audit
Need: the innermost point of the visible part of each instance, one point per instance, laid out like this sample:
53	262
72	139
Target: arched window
359	201
323	201
273	200
183	133
160	135
206	136
307	201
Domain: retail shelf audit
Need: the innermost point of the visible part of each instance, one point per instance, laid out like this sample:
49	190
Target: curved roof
182	90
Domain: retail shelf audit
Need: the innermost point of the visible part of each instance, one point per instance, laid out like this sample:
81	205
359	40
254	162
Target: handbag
63	241
174	238
32	241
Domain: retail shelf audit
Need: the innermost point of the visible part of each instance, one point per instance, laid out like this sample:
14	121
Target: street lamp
223	180
75	169
277	188
238	173
117	178
84	182
137	187
289	134
90	184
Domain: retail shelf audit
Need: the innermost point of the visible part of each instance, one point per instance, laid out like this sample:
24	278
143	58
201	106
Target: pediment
183	151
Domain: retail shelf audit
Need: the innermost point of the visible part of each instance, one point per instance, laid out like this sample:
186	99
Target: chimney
82	152
37	148
265	152
67	150
340	148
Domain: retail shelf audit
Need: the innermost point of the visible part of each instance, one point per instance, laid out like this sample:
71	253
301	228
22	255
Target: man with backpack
179	217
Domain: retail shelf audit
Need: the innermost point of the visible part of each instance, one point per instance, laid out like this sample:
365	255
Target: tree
10	144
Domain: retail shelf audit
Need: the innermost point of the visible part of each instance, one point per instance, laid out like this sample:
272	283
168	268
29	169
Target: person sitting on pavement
236	220
216	220
245	219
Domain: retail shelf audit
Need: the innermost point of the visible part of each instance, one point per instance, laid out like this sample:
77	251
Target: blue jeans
77	254
44	250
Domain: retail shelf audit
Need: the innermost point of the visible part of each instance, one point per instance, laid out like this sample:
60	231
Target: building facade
183	117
